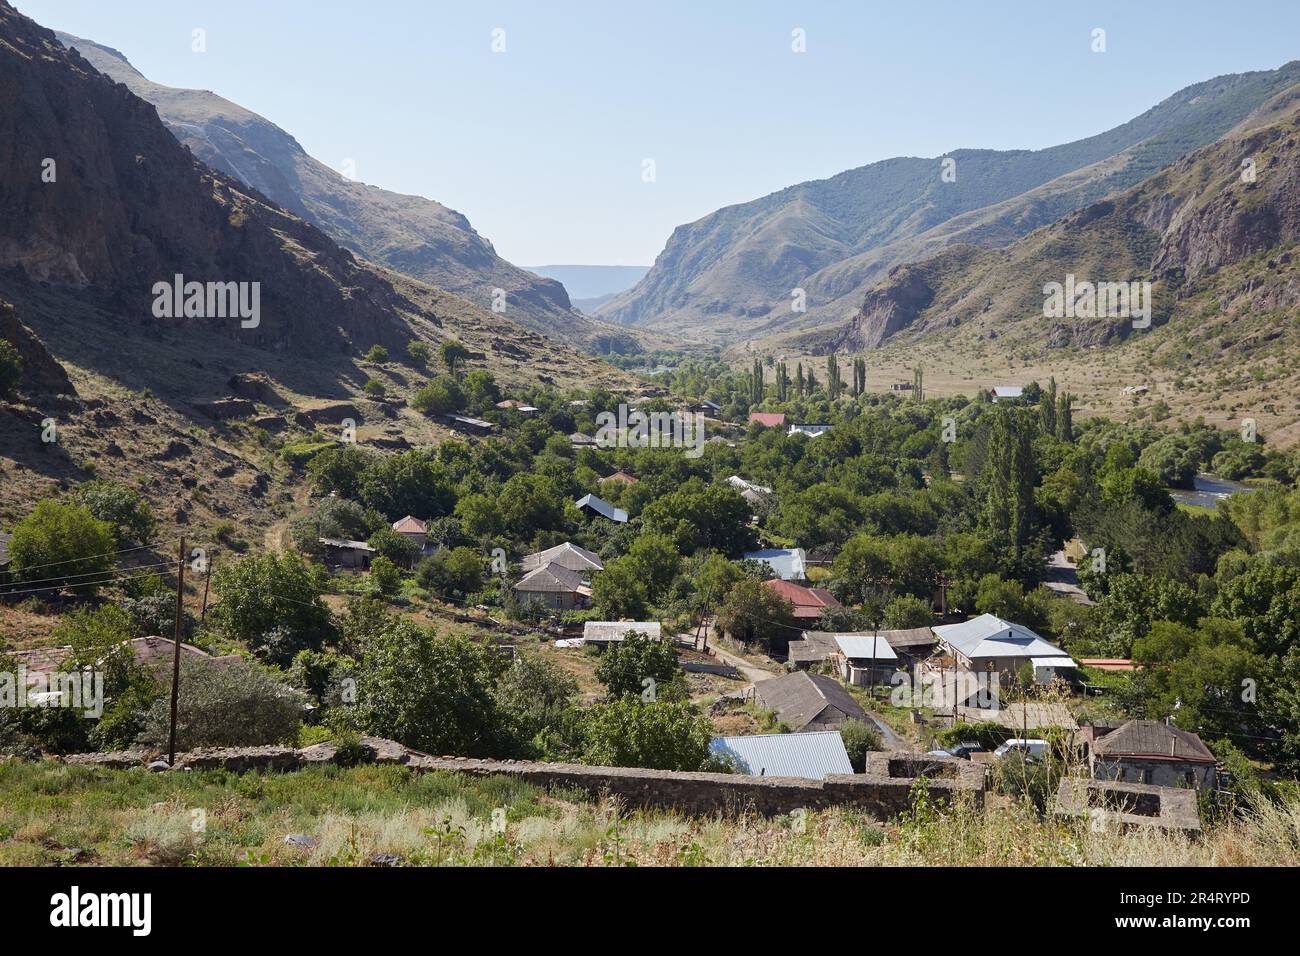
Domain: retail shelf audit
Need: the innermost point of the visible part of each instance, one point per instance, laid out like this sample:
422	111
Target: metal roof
1153	740
868	646
602	508
789	564
810	755
990	636
801	699
550	579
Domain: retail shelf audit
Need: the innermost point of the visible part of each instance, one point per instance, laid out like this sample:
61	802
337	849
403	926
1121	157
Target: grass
56	814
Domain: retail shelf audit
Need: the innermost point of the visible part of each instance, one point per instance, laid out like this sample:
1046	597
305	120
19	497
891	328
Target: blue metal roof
811	755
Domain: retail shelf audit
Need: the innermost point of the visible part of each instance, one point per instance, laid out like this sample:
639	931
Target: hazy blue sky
542	146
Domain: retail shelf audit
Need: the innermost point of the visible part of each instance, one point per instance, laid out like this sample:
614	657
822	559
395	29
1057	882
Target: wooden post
176	654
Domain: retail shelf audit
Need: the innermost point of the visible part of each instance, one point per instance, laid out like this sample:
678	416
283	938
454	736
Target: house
805	701
1007	393
597	508
555	586
811	431
612	632
988	644
622	476
567	555
342	553
413	530
154	652
1150	752
580	440
788	564
864	659
767	419
705	407
741	485
808	602
812	755
472	426
522	408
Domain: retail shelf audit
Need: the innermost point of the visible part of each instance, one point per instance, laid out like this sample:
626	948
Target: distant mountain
410	234
730	276
593	282
1217	236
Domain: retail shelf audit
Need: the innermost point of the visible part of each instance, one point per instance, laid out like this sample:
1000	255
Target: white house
989	644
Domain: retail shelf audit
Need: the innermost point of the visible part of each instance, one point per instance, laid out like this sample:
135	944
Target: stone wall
883	791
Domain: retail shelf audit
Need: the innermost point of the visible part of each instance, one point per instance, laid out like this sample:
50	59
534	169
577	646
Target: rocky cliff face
410	234
727	276
42	375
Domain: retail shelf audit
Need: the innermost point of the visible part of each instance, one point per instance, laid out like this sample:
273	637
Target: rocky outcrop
42	375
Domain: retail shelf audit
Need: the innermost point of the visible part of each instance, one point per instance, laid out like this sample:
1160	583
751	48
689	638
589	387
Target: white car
1029	747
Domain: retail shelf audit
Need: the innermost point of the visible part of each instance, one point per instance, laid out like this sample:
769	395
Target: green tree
442	396
453	354
418	352
62	544
224	705
124	508
620	591
384	575
753	613
431	693
377	354
662	735
628	664
272	602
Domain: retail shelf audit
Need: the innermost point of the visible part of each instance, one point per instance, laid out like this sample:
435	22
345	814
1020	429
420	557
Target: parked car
963	750
1032	748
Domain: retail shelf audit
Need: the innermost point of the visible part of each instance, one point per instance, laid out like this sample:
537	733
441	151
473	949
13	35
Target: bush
397	548
377	354
384	575
452	574
419	352
907	612
225	705
375	388
859	738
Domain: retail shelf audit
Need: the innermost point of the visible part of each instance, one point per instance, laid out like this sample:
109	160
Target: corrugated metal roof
990	636
789	564
811	755
868	646
601	507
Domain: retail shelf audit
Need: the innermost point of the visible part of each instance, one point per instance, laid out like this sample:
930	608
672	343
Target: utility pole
207	578
176	653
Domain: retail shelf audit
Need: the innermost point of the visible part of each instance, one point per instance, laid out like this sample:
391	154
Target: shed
612	632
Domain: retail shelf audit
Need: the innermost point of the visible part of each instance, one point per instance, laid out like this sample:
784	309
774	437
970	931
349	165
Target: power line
88	557
83	584
92	574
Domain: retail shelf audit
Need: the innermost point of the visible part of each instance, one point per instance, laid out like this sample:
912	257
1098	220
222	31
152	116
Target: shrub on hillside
65	544
225	705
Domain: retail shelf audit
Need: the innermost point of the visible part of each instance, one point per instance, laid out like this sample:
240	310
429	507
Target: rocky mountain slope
730	276
98	203
1216	235
409	234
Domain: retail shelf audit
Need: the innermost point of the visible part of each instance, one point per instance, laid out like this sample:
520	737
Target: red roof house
622	476
808	602
768	419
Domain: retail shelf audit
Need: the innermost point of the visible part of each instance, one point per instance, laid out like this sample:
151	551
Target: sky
543	143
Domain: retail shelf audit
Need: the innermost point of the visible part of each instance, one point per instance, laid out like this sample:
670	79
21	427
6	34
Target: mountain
730	276
409	234
588	286
1216	234
100	204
